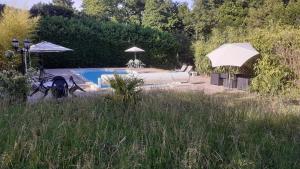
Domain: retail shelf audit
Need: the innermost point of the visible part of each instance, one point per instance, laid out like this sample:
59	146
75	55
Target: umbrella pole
134	55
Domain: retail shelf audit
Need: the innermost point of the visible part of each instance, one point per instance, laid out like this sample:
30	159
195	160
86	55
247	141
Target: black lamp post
23	51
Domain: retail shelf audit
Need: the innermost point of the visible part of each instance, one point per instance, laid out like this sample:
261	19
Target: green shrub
274	72
272	77
13	86
126	89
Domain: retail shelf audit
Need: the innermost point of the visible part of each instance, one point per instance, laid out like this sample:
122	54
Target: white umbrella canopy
135	50
47	47
232	54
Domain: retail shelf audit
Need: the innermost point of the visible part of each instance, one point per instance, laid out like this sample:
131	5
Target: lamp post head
15	43
27	44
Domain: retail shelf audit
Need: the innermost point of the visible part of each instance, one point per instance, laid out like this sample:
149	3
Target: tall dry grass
165	130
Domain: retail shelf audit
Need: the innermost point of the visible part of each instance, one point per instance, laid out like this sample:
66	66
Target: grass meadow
163	131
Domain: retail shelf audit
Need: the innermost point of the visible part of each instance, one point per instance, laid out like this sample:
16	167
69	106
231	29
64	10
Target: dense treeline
102	44
137	14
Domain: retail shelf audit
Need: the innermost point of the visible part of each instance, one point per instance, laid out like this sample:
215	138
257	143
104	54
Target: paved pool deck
196	83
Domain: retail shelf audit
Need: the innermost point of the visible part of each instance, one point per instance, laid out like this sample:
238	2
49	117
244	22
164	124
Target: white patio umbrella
47	47
232	54
134	50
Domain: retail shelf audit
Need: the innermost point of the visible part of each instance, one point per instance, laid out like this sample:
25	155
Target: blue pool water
93	74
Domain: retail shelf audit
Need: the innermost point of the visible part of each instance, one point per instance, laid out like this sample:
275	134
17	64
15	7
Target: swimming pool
92	75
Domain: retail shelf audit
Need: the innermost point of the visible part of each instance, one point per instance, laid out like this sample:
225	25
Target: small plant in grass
127	89
13	86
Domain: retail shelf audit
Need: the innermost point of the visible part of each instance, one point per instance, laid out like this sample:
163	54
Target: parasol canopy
47	47
134	50
232	54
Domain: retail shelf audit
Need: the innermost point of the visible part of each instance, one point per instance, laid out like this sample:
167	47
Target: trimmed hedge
102	44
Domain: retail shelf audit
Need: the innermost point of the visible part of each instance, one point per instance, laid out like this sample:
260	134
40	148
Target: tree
94	7
162	15
269	11
204	18
64	3
41	9
185	15
231	14
107	9
14	23
2	6
292	13
153	16
134	11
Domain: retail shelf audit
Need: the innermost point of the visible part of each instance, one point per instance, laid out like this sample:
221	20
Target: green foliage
14	24
13	86
10	61
163	131
273	74
134	11
272	11
231	14
204	13
292	13
105	9
154	16
64	3
272	77
102	44
41	9
126	89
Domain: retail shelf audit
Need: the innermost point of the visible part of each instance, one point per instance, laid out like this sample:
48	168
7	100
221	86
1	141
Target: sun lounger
189	69
151	78
183	68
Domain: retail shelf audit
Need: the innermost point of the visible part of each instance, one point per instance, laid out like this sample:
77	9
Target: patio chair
183	68
74	87
189	69
40	88
130	64
138	64
59	87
